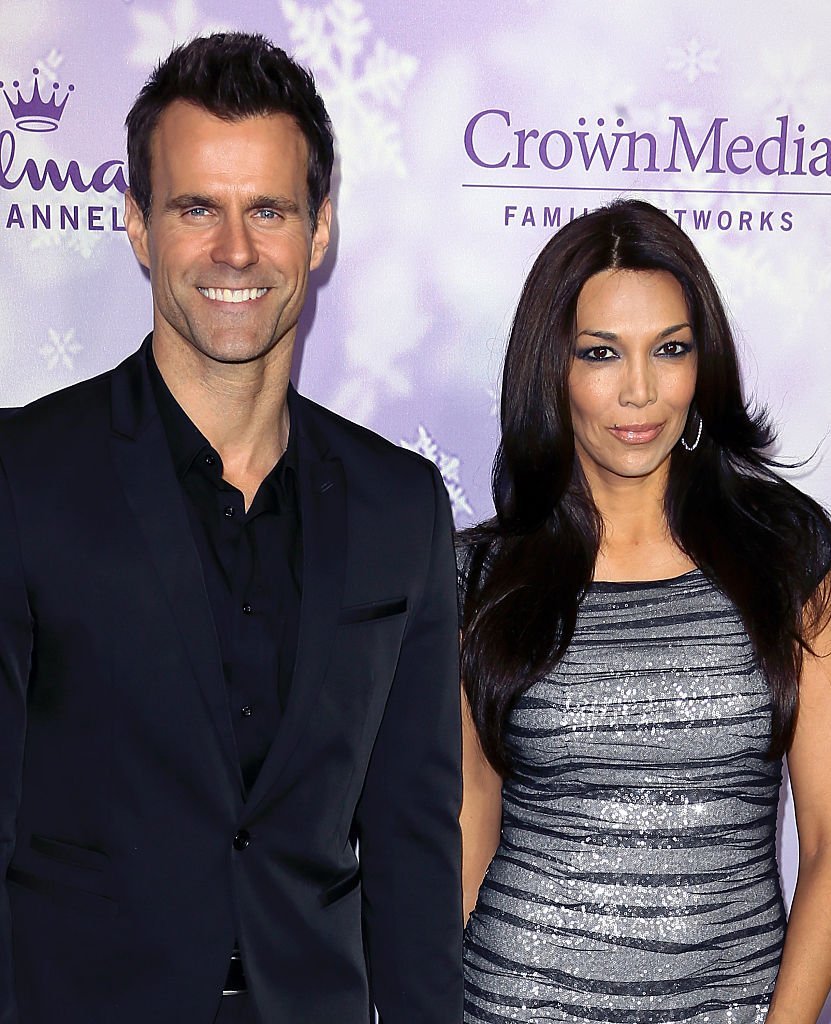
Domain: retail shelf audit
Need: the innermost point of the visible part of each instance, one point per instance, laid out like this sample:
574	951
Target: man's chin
233	351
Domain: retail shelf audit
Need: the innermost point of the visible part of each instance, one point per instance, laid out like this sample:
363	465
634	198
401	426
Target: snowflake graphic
360	87
83	243
787	83
448	466
47	70
693	60
157	35
60	348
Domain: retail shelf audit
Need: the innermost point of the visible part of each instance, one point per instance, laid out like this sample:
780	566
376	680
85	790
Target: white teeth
232	294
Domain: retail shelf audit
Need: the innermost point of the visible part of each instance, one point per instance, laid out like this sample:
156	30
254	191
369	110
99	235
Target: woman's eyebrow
671	330
603	335
611	336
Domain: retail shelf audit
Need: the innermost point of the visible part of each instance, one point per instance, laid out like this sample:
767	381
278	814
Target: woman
644	627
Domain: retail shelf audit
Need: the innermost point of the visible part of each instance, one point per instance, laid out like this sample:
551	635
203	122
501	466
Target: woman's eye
597	354
675	348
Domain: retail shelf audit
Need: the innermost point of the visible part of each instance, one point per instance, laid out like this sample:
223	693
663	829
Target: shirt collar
186	440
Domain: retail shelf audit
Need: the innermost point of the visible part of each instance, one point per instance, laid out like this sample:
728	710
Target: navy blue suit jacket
120	787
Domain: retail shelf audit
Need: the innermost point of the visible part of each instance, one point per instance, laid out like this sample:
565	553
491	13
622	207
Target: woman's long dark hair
766	545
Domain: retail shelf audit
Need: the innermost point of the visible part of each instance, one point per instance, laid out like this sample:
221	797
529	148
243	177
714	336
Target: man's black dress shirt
252	565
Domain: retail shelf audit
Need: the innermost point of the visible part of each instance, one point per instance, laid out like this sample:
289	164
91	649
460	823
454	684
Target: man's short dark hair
232	75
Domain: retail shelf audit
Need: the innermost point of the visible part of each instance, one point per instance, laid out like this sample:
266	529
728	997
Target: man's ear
136	227
321	235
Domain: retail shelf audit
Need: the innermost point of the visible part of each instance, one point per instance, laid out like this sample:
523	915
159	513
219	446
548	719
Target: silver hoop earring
692	447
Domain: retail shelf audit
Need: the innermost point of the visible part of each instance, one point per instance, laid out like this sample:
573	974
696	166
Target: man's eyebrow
185	202
259	202
281	203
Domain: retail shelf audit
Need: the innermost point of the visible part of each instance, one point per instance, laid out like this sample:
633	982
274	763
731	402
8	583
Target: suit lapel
145	469
323	518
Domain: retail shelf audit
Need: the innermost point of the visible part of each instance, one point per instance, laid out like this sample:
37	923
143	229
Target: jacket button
241	839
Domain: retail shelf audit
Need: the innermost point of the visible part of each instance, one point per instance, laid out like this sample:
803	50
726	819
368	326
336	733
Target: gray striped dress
636	877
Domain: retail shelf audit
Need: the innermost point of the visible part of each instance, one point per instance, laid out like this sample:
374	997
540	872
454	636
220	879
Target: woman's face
632	375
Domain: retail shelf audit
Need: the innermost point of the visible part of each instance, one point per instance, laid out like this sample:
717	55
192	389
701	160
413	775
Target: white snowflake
157	35
47	67
448	466
84	243
359	87
693	60
786	81
60	349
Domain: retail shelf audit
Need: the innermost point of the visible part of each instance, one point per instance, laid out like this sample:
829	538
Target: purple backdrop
464	141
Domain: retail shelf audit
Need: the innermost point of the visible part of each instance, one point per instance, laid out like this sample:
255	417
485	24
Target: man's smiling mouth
232	294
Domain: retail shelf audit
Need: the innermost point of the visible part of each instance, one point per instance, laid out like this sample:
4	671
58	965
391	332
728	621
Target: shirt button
241	839
229	511
246	609
246	711
210	460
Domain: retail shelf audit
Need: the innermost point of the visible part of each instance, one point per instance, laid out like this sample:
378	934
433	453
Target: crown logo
36	114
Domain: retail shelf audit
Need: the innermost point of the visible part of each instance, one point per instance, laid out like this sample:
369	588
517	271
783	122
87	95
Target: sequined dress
636	877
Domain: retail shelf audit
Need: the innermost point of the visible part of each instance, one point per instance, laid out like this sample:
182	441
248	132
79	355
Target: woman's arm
481	816
805	973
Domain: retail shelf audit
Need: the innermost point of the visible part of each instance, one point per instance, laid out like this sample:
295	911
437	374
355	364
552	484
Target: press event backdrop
467	134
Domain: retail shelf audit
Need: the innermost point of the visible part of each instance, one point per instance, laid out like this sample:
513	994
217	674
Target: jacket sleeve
15	659
407	820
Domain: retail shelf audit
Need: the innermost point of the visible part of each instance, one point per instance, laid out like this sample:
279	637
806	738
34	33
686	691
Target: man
228	676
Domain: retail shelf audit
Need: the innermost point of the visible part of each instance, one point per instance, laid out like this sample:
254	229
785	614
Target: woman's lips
636	433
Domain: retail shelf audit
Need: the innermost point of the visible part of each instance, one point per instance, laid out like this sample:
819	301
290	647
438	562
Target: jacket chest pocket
364	658
372	611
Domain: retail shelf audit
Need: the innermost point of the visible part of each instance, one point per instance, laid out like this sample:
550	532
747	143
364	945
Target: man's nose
234	243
